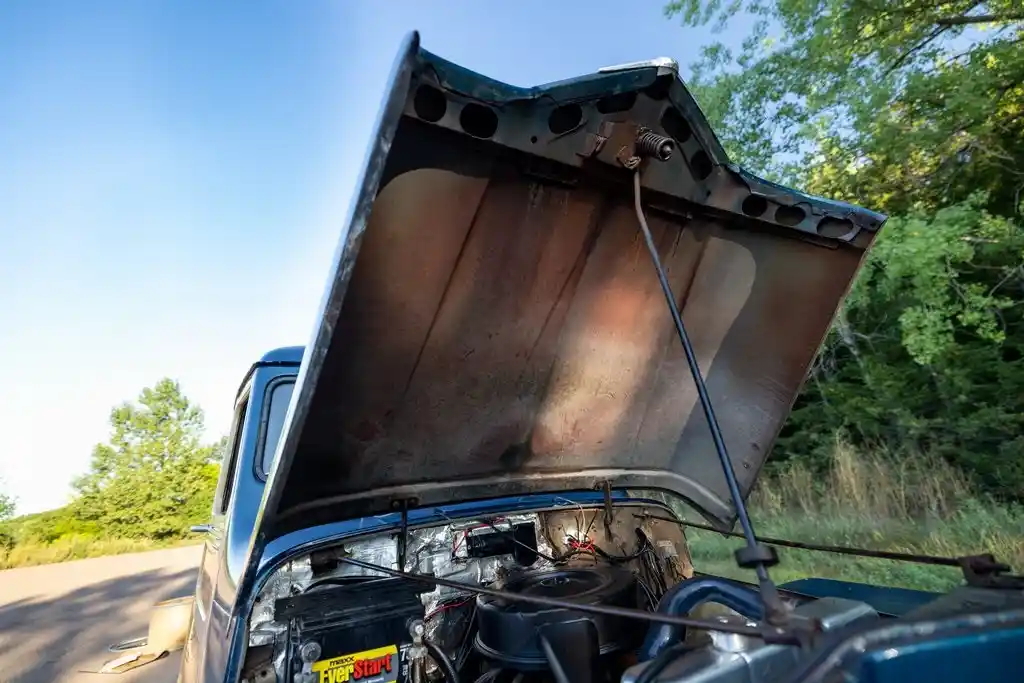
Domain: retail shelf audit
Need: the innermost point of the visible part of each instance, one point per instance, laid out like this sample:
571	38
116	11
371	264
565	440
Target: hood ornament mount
754	555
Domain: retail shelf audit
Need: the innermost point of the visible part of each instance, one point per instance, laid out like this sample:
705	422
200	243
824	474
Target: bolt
417	629
310	651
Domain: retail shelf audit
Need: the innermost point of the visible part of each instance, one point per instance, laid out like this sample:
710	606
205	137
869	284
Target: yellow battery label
379	665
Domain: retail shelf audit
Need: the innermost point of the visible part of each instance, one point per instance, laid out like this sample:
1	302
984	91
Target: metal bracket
614	144
403	505
983	571
608	514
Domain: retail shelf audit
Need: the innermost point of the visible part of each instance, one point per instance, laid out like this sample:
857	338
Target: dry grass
870	485
77	548
874	500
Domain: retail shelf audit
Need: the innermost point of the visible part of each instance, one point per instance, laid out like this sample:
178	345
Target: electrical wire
445	607
588	546
508	533
583	516
649	565
511	536
767	632
467	640
652	602
442	661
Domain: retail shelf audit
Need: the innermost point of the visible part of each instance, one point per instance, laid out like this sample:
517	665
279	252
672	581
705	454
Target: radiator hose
682	598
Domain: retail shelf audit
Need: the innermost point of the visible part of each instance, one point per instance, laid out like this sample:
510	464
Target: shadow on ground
52	638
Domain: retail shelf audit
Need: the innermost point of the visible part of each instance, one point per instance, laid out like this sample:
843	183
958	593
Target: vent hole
789	215
675	125
835	227
565	118
754	205
660	88
478	120
701	165
612	104
429	104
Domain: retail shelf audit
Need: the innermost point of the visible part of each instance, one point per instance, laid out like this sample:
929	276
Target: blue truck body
526	370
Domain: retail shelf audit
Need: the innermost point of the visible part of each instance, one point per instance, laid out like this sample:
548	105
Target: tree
893	103
7	506
155	477
913	107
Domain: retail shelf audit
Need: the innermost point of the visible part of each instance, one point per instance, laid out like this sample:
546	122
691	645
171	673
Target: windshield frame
268	405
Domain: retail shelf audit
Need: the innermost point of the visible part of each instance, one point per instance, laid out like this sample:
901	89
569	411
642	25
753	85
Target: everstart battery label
372	666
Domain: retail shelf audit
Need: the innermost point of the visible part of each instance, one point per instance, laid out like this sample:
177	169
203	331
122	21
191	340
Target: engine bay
555	595
614	556
321	619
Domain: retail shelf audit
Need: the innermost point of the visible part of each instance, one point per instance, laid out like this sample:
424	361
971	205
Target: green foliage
915	108
49	526
144	489
155	477
7	506
928	265
925	357
889	102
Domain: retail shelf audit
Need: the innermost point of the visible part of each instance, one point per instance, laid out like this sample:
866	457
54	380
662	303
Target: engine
321	619
525	638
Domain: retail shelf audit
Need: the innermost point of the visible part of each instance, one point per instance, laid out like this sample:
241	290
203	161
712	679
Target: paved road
56	621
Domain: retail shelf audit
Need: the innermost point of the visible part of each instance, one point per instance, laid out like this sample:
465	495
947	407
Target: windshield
279	398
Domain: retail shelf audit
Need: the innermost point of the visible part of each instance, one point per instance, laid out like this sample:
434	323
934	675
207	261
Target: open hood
494	325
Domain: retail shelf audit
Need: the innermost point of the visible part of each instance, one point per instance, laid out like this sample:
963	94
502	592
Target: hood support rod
754	555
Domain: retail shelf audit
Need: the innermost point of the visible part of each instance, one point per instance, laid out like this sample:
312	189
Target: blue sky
173	177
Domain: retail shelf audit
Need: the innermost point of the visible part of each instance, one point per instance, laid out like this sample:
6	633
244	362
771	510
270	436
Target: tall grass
877	500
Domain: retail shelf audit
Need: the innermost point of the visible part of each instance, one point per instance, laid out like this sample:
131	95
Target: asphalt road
57	621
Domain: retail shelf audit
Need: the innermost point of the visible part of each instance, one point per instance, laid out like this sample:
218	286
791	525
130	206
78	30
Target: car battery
357	631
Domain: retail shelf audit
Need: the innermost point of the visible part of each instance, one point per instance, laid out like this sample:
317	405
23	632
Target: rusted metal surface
619	537
500	326
503	330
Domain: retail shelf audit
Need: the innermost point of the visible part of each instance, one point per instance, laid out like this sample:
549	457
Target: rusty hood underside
494	324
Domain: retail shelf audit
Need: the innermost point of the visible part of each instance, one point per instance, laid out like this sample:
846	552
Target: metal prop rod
767	632
837	549
768	590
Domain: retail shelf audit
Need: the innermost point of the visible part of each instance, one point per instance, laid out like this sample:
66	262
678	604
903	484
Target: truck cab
261	406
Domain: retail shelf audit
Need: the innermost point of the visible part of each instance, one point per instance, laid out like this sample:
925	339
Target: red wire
458	541
587	547
443	608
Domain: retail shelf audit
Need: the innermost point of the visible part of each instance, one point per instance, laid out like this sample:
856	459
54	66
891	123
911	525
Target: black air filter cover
510	632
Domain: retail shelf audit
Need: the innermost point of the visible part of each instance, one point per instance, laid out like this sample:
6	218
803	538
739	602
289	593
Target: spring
650	144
